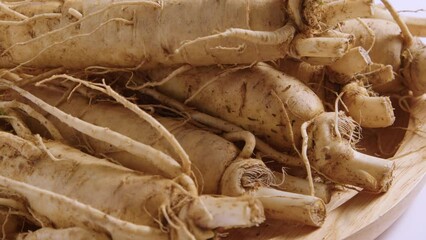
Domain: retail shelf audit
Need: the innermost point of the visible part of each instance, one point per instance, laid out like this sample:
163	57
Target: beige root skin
73	233
301	186
244	174
78	214
335	158
205	212
252	177
344	69
312	75
325	47
313	15
381	38
222	125
185	163
61	35
414	68
259	99
377	74
240	176
369	111
65	211
291	207
201	212
168	165
240	212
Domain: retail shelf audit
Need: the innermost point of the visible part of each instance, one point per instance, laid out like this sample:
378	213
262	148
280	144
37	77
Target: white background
412	224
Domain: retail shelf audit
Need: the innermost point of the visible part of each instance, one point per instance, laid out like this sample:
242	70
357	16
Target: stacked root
113	128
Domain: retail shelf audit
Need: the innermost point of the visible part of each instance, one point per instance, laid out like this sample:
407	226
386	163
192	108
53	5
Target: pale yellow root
73	233
164	162
5	9
334	157
252	177
312	15
353	62
222	125
185	162
414	68
276	37
325	47
366	109
37	198
292	207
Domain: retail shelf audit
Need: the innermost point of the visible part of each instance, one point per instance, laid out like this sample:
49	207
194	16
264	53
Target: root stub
334	157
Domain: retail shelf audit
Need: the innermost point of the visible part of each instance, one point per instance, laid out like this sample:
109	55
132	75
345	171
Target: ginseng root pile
185	119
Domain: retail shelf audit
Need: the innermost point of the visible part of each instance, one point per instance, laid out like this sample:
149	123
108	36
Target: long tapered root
164	162
225	126
142	114
408	37
54	132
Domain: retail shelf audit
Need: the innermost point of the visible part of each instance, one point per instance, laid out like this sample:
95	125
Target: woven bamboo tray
366	216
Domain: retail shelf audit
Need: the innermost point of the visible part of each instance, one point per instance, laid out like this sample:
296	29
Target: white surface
411	225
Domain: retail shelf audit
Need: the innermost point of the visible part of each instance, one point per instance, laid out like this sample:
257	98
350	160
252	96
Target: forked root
185	163
157	158
34	114
222	125
334	157
184	215
366	109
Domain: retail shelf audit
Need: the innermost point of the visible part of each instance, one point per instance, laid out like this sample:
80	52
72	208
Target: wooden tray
365	216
